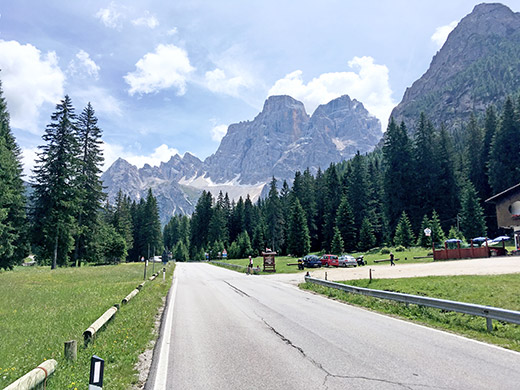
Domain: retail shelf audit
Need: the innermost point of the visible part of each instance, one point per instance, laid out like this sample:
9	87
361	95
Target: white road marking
161	374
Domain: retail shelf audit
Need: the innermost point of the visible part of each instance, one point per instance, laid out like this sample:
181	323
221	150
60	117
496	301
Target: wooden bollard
71	350
35	377
141	286
92	329
129	296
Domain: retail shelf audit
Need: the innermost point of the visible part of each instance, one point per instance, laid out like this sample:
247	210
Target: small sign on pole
224	254
97	366
427	232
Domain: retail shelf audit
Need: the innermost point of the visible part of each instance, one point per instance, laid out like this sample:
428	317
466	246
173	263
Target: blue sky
168	77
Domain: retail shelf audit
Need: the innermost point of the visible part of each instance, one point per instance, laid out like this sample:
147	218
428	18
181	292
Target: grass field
493	290
42	309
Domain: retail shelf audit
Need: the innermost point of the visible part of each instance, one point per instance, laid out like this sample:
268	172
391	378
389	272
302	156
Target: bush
400	248
385	251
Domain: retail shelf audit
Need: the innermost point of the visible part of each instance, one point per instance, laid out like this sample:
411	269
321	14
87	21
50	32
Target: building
507	205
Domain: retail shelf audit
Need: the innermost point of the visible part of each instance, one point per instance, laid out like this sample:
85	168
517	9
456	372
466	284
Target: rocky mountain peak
477	66
282	103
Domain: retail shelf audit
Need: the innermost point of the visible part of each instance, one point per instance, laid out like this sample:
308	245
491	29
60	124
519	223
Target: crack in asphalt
237	290
331	375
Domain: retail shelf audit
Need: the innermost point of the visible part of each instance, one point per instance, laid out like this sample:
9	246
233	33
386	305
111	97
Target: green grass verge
493	290
42	309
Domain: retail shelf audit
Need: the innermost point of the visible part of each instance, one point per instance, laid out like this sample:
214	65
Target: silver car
347	261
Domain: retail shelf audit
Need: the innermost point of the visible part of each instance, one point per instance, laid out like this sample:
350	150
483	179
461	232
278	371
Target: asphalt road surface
226	330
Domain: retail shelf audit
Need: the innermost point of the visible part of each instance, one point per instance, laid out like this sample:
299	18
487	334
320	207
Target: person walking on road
391	259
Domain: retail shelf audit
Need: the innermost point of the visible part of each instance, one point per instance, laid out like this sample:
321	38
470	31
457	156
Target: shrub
385	251
400	248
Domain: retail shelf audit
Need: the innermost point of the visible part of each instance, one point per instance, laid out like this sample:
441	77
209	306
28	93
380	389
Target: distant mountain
478	65
281	140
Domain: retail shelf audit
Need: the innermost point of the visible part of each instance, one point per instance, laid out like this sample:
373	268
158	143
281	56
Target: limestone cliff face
281	140
477	66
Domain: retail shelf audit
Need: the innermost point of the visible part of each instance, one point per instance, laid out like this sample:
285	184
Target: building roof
496	198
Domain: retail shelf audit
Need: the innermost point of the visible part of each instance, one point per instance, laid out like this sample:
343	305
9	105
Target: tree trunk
55	257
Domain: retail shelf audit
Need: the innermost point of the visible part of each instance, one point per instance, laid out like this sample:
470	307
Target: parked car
329	260
311	261
347	261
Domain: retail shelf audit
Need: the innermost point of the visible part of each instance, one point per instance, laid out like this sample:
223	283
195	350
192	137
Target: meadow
491	290
42	309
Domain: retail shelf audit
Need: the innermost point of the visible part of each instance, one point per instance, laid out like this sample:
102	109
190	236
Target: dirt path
490	266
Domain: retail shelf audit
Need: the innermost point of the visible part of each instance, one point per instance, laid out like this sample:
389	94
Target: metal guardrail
488	312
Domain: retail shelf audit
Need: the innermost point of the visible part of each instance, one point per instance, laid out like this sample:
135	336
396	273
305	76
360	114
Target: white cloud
160	154
172	31
147	20
441	33
169	66
111	17
83	64
218	81
218	132
102	101
29	156
29	79
368	83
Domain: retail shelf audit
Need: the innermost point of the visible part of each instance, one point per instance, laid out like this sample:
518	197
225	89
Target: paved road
226	330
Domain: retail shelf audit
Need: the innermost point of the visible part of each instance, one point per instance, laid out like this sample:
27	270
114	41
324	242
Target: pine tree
199	226
345	224
438	235
336	246
90	188
367	238
403	233
13	222
55	196
358	188
422	239
152	224
332	199
298	239
274	218
398	174
122	219
258	242
504	156
472	222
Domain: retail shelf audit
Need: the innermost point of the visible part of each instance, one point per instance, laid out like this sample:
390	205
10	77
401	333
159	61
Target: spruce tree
90	188
403	232
298	239
422	239
274	218
152	224
399	173
367	239
438	235
504	156
14	245
358	188
199	226
346	225
332	197
122	219
336	246
472	222
55	195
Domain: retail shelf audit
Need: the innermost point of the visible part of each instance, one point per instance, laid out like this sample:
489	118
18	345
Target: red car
329	260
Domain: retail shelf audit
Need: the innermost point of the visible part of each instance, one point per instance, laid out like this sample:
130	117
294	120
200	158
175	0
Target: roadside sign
224	253
427	232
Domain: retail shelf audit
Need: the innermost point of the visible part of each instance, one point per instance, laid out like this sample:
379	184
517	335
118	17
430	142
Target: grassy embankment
493	290
42	309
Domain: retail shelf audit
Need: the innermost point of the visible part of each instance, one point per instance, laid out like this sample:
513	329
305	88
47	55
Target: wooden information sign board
269	263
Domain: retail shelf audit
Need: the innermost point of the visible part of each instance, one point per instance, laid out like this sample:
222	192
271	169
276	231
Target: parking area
487	266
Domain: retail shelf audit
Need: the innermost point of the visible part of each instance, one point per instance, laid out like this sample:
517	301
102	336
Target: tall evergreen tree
90	188
504	156
358	188
55	193
199	226
122	219
403	232
152	224
274	218
13	224
422	239
346	225
367	238
399	176
332	198
336	246
472	222
438	235
298	239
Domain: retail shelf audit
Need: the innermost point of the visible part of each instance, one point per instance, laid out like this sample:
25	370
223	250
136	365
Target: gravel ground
489	266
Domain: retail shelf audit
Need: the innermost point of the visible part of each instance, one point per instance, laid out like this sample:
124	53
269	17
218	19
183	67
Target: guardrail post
325	275
489	324
97	366
71	350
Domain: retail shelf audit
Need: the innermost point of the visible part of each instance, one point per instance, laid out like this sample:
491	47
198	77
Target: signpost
224	254
427	232
97	366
